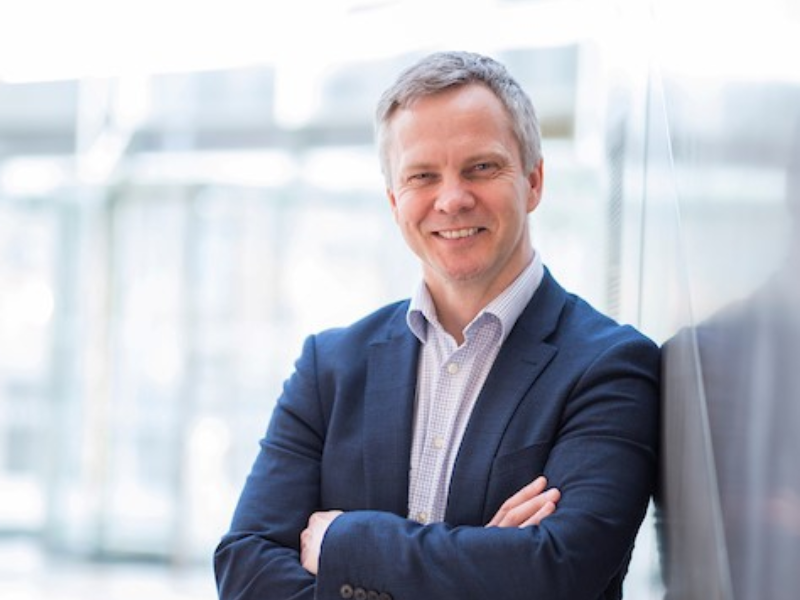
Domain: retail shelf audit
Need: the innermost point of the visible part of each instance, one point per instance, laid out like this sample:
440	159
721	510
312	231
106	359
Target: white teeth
458	233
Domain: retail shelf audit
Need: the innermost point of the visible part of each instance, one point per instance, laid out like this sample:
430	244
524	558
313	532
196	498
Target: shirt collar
507	307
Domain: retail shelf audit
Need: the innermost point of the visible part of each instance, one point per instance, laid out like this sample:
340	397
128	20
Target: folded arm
529	506
603	463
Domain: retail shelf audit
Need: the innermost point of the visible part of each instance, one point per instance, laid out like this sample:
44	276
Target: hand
529	506
311	538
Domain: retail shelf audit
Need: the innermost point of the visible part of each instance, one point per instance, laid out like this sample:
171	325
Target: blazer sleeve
604	462
259	558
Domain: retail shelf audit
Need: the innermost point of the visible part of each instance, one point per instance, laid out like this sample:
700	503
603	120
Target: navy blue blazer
572	395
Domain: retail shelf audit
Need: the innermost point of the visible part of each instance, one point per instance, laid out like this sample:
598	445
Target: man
400	438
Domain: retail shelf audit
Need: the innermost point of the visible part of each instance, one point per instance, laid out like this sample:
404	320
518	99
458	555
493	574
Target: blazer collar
389	396
522	359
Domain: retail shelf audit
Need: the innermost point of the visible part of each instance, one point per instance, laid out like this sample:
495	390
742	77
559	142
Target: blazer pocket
513	471
528	461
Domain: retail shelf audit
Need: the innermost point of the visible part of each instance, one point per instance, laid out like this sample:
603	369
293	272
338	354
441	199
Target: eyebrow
417	166
488	156
484	156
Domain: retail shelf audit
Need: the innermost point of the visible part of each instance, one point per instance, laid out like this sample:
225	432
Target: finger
552	496
305	558
310	562
323	518
516	502
519	515
548	509
304	537
527	493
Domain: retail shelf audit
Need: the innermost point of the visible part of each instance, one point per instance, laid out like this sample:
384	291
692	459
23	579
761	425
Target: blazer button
372	595
385	596
346	591
359	594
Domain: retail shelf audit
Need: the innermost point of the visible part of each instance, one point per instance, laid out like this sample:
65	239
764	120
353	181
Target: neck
458	303
456	309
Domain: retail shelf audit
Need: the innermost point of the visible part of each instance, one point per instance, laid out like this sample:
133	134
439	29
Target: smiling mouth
456	234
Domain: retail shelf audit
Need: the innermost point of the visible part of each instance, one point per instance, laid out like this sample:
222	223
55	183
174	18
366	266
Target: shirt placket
437	449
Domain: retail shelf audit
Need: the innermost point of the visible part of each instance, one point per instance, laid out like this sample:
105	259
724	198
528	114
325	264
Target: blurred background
188	189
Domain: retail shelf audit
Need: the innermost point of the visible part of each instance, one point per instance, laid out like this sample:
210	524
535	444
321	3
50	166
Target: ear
392	201
536	185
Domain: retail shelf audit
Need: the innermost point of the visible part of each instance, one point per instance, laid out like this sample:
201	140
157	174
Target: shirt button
452	368
438	442
422	517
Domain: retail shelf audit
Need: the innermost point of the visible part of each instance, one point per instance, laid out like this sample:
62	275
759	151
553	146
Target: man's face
459	192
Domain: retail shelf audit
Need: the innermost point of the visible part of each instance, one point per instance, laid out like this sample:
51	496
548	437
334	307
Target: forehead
474	96
467	117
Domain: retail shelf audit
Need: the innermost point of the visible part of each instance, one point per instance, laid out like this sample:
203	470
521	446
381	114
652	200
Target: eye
482	169
420	178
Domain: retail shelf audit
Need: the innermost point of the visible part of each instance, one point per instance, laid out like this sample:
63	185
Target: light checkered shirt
449	379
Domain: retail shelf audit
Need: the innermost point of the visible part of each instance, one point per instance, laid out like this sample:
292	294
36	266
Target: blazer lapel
522	359
388	417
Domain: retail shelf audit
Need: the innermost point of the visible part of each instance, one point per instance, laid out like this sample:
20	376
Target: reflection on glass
731	486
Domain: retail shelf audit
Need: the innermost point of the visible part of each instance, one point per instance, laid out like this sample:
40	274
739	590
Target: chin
463	275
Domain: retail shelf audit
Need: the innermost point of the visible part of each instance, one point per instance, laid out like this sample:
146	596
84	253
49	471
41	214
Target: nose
454	197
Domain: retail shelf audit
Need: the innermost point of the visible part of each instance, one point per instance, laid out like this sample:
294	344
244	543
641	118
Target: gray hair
441	71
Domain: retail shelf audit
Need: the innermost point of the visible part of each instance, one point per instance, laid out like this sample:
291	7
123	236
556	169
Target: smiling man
492	437
461	196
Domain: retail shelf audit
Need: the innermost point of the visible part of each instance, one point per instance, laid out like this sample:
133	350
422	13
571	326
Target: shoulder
573	316
376	326
577	327
354	340
596	327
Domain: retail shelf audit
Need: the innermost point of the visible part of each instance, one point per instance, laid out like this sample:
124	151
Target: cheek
528	200
516	215
408	210
402	218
